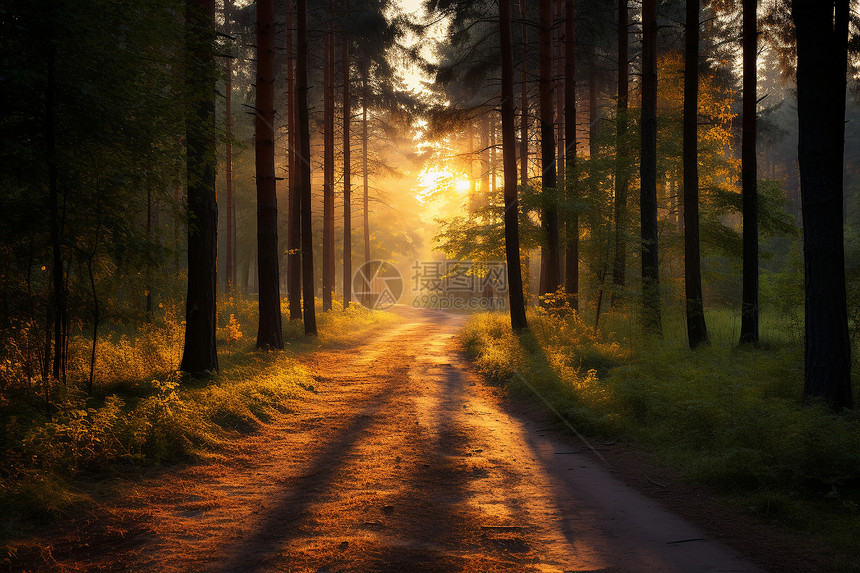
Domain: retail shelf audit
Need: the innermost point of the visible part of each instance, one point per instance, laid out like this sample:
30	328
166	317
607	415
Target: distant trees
199	353
822	39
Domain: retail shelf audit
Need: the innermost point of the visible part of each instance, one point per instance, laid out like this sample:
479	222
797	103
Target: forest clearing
429	285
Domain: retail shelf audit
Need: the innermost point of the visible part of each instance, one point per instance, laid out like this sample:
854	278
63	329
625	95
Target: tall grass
142	411
726	416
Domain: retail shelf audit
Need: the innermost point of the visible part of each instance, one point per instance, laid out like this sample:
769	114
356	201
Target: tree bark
294	219
509	159
328	163
308	308
571	258
230	256
269	333
485	161
622	158
648	172
58	293
821	76
524	99
549	216
199	353
697	332
559	84
347	183
749	177
365	174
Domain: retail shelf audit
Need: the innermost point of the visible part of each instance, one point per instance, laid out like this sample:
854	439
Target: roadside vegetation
142	412
727	417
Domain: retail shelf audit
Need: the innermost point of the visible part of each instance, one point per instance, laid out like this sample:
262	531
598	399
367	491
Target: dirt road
402	461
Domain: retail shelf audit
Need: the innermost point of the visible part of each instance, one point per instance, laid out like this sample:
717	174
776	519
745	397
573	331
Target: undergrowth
142	411
727	417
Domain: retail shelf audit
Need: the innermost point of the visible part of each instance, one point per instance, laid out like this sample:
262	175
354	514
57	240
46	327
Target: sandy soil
401	460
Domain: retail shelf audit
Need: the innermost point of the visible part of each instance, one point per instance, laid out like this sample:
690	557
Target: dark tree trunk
485	161
347	183
821	76
294	219
697	332
58	293
749	177
492	152
571	258
619	265
199	354
269	334
559	94
509	159
364	171
230	264
524	99
648	172
328	163
148	304
308	309
549	214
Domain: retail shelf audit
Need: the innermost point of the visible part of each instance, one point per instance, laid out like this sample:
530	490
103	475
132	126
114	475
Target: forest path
402	460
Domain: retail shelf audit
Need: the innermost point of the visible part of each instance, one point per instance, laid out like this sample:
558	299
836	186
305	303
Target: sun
462	186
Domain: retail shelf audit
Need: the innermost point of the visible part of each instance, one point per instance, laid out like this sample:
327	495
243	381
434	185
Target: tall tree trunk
199	353
328	163
648	172
571	258
524	99
485	160
148	304
230	253
697	332
749	177
294	219
593	152
492	152
365	174
308	309
230	265
473	175
509	159
58	293
269	333
821	76
622	158
549	215
559	93
347	183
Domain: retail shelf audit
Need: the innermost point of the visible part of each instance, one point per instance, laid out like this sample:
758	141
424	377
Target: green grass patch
727	417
